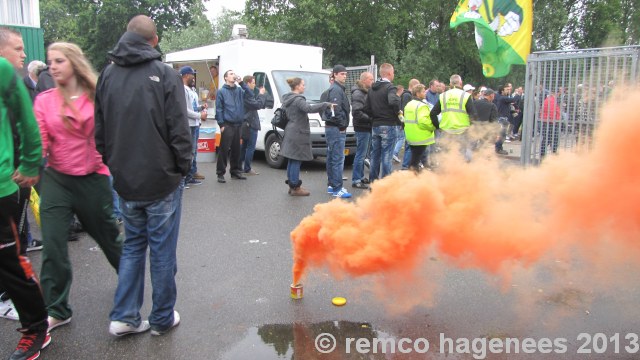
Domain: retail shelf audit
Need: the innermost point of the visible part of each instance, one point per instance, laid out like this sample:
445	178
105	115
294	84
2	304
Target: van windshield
315	83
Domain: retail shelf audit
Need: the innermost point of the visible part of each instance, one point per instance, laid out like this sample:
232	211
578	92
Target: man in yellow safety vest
457	111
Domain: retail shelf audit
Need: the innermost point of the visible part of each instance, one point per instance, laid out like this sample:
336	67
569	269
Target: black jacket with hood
361	121
142	130
383	104
337	95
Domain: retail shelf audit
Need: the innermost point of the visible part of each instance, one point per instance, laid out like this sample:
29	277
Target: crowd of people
387	117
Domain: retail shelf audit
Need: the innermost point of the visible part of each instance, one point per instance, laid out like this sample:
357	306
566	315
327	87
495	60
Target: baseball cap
339	68
186	70
468	87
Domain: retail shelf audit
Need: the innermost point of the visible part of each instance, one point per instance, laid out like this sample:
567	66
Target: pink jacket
72	150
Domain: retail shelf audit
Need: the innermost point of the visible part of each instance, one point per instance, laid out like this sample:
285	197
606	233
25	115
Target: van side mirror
268	104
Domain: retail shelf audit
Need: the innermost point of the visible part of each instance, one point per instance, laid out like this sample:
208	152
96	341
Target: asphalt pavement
234	272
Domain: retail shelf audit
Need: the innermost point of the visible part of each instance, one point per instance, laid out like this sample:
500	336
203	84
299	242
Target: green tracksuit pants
89	197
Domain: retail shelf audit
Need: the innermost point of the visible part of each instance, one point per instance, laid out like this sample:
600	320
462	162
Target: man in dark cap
195	114
336	122
486	108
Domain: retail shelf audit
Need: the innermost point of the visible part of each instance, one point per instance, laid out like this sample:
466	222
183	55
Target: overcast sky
215	7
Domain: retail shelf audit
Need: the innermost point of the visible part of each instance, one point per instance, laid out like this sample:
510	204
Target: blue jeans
462	141
363	139
248	148
383	139
399	141
406	159
550	132
335	155
153	224
504	124
293	172
195	134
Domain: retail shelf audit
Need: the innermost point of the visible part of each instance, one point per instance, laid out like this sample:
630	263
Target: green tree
630	21
550	19
598	23
58	23
197	34
350	31
201	32
96	26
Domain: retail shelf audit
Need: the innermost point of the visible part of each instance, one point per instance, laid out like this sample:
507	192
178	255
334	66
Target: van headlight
314	123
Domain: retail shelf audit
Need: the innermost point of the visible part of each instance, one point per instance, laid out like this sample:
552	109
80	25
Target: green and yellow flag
503	31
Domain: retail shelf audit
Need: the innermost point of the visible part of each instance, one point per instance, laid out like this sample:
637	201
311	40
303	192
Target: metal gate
564	92
353	74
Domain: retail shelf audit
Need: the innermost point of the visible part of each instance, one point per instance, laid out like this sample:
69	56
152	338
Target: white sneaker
342	194
176	322
119	328
54	323
8	311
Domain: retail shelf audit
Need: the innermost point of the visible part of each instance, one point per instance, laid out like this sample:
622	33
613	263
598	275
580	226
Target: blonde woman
75	181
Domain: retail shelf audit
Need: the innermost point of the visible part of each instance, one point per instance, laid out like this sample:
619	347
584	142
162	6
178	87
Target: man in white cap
468	89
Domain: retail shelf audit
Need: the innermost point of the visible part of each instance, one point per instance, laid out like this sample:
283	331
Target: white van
271	63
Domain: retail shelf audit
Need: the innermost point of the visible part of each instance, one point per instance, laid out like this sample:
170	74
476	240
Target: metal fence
353	74
564	93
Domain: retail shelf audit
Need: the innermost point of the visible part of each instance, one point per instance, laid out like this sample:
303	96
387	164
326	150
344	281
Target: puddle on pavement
298	341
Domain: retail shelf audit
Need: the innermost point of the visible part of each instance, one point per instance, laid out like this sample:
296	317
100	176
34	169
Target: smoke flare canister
296	291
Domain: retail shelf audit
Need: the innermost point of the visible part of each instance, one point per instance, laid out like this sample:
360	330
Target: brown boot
299	191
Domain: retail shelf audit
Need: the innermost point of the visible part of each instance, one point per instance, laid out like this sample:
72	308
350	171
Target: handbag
280	119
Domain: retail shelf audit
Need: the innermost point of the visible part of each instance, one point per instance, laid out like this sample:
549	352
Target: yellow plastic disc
338	301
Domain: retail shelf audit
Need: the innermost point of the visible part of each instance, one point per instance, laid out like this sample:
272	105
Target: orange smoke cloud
484	214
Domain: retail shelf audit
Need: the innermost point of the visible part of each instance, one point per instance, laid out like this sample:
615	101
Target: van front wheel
272	152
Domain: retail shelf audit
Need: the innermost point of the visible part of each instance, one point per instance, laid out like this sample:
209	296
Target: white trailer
271	63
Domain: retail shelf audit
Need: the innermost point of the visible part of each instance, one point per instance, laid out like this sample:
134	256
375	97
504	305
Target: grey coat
296	144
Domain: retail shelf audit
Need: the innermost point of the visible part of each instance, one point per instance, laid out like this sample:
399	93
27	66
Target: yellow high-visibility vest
455	119
418	128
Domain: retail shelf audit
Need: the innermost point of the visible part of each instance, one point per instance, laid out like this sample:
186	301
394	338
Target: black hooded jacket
142	130
361	121
383	104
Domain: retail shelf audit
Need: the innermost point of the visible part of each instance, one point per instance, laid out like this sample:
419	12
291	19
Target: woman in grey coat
296	145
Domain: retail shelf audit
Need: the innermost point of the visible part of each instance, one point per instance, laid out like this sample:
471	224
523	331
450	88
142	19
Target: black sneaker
360	185
35	245
502	152
238	177
30	345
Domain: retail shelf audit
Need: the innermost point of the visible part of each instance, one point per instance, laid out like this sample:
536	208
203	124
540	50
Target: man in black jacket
143	135
383	105
336	132
362	128
488	113
504	103
251	126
